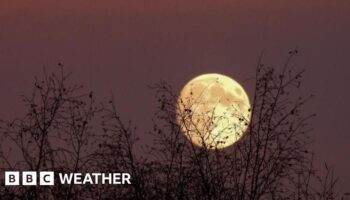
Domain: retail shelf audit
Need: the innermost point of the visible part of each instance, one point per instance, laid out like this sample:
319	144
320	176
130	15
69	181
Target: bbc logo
29	178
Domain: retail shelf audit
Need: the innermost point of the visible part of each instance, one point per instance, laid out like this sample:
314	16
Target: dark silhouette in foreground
65	130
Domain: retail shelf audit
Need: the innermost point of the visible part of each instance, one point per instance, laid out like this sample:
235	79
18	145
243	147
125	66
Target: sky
121	47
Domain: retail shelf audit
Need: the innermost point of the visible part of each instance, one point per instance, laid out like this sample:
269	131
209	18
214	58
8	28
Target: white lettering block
11	178
47	178
29	178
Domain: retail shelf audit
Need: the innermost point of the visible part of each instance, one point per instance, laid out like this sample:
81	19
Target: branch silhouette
61	132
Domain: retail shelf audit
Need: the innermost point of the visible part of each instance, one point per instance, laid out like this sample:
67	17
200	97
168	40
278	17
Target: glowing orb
213	111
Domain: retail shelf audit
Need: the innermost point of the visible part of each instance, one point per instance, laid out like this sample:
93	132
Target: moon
213	111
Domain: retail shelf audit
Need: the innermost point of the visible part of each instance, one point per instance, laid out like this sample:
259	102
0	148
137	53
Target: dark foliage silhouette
61	132
54	135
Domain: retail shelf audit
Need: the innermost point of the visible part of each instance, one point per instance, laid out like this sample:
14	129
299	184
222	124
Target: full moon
213	111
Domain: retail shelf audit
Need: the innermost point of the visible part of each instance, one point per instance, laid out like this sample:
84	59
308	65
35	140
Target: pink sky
121	46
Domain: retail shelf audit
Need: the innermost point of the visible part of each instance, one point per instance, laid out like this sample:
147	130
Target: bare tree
55	135
271	161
